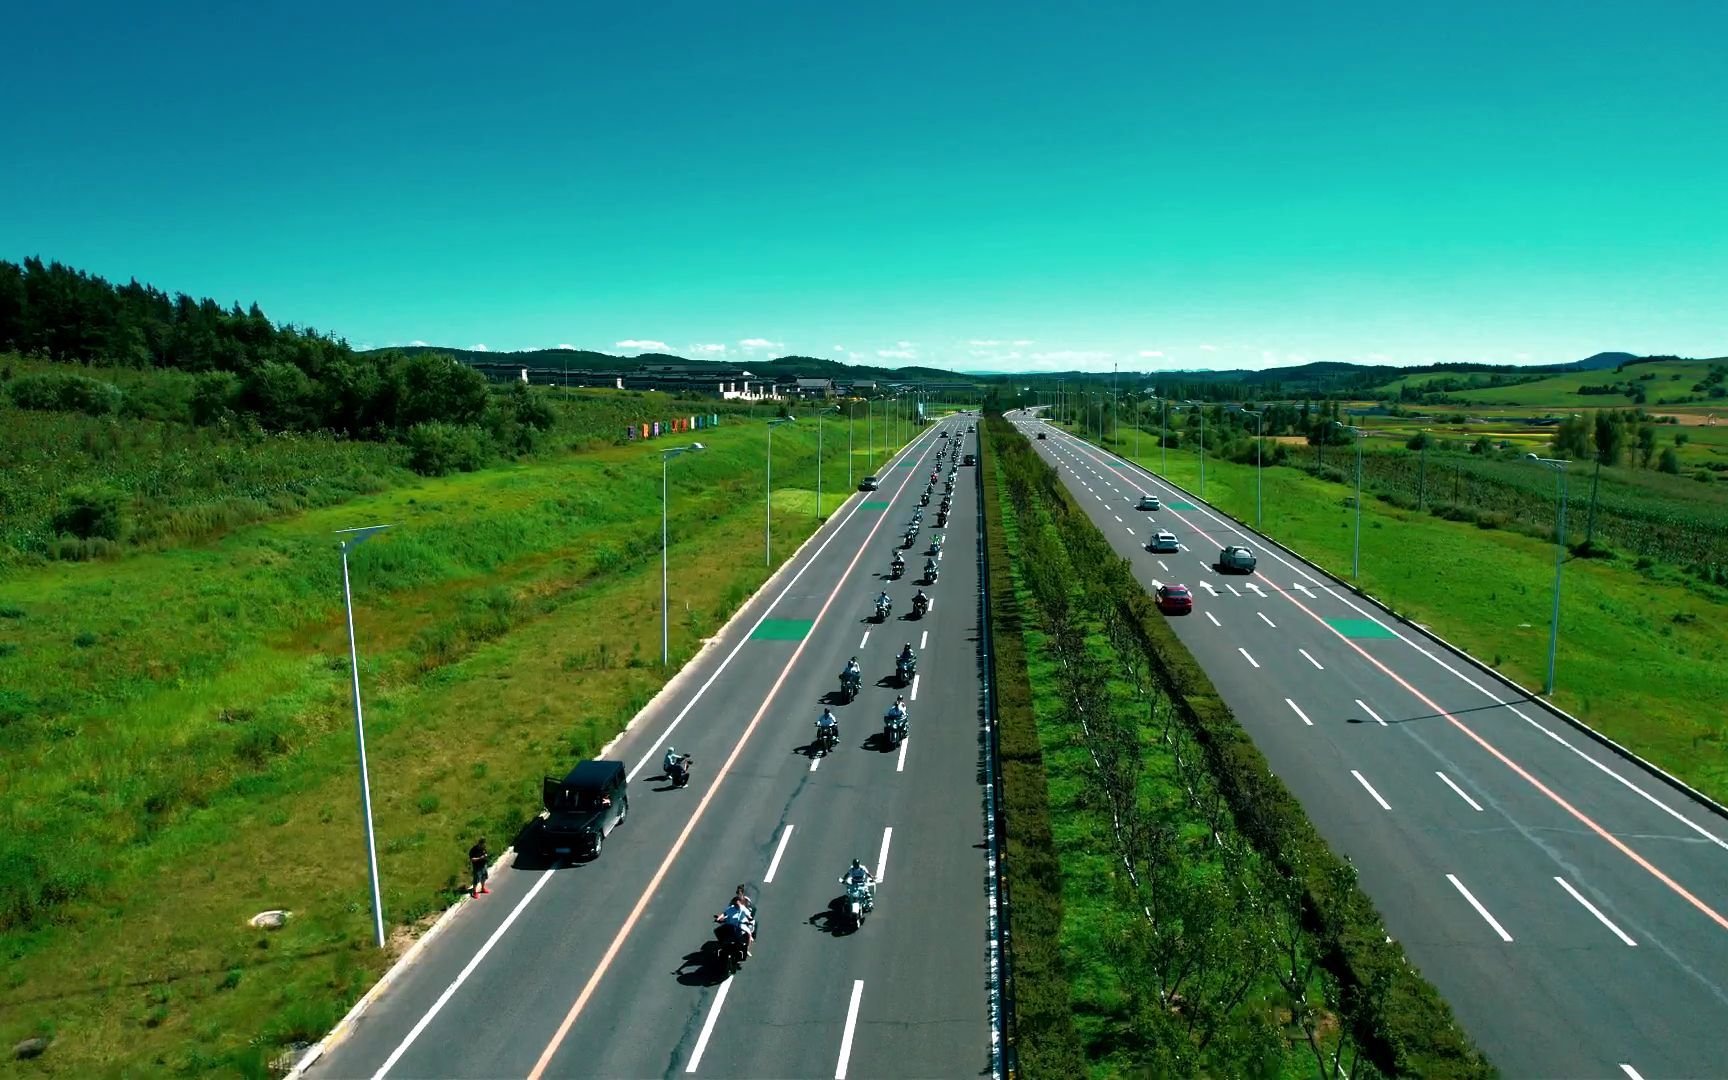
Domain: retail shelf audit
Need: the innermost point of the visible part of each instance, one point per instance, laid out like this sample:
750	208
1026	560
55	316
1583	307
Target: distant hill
785	367
1598	362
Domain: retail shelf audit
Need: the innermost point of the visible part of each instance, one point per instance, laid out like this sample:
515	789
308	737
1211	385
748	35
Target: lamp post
768	522
1559	467
1259	418
819	414
1200	408
356	537
666	455
1356	547
1163	437
849	420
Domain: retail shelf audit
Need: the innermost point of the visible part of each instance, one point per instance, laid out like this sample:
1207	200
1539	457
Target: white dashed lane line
1474	805
1310	659
1246	657
1480	910
1360	779
1298	710
1363	705
1265	620
1592	909
1214	619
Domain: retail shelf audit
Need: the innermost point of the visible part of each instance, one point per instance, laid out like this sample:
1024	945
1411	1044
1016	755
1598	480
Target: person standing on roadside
477	860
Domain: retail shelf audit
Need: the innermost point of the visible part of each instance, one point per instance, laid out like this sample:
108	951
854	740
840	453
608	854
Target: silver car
1147	502
1164	542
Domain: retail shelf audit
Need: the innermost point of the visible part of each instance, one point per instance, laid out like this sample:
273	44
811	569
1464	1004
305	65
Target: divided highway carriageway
605	968
1571	906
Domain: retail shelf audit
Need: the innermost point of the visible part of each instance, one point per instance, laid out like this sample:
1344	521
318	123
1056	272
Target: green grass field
191	762
1662	380
1642	655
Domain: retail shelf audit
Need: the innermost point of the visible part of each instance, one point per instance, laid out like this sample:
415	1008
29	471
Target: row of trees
1238	902
1613	436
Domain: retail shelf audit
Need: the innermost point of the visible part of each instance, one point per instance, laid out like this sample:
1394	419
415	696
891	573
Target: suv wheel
599	841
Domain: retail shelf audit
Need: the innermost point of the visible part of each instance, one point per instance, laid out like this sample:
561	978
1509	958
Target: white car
1163	542
1147	502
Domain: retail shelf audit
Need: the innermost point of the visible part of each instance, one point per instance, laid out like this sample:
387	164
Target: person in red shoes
477	860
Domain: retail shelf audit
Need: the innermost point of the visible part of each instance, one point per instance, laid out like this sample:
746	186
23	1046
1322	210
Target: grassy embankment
190	760
1641	649
1189	943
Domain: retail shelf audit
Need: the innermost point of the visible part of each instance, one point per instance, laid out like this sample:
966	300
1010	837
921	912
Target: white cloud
839	348
1071	356
1208	348
645	346
1150	352
477	348
420	343
990	342
572	348
1021	342
896	354
905	344
708	348
760	343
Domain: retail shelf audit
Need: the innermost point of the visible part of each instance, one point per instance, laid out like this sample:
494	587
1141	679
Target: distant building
813	388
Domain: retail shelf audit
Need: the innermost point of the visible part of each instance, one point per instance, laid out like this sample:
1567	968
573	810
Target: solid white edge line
900	766
1480	910
1246	657
851	1025
1474	805
1360	779
923	640
915	679
708	1025
1363	705
1214	619
1591	908
1310	659
882	855
462	977
779	850
1299	712
1267	621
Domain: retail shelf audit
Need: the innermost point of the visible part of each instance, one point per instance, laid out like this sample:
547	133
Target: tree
1419	441
1572	439
1646	444
1670	461
1610	438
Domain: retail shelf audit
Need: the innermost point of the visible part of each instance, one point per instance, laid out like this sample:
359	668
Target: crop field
192	762
1662	380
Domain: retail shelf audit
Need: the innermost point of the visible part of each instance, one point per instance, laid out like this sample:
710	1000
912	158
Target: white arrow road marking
1480	910
1591	908
1256	588
1299	712
1207	585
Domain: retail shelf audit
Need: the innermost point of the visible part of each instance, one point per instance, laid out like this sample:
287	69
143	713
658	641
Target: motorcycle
827	737
930	571
679	771
924	499
734	946
920	605
911	537
894	726
896	568
884	608
905	669
942	519
860	901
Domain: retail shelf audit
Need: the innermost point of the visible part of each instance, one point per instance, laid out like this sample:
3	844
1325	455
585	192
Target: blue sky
1007	186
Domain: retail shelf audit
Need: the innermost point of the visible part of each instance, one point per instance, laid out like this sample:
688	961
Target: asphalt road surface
1572	908
605	968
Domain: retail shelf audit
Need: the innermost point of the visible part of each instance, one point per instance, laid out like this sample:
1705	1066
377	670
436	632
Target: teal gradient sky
1155	185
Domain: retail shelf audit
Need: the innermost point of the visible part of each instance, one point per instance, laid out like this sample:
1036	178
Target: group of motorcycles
735	927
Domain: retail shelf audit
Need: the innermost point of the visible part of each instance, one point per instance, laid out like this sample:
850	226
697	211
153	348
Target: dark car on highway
969	459
1175	599
582	808
1043	435
869	483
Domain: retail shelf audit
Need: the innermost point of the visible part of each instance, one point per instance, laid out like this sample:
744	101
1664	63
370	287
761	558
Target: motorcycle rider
921	602
930	569
826	724
851	667
673	763
740	916
897	567
883	603
897	712
859	874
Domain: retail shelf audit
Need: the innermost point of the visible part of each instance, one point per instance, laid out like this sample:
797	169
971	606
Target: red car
1175	599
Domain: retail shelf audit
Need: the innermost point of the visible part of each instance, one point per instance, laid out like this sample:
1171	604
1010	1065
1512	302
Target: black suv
969	459
582	808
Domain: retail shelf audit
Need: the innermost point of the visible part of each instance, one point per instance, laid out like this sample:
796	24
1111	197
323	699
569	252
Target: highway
1571	907
599	968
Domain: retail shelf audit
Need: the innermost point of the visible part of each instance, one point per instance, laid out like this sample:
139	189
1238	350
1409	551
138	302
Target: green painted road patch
873	505
783	629
1175	504
1359	628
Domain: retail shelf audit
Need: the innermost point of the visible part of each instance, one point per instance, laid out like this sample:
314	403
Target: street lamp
849	419
356	538
1199	407
666	455
768	523
1356	556
1559	467
1259	418
819	414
